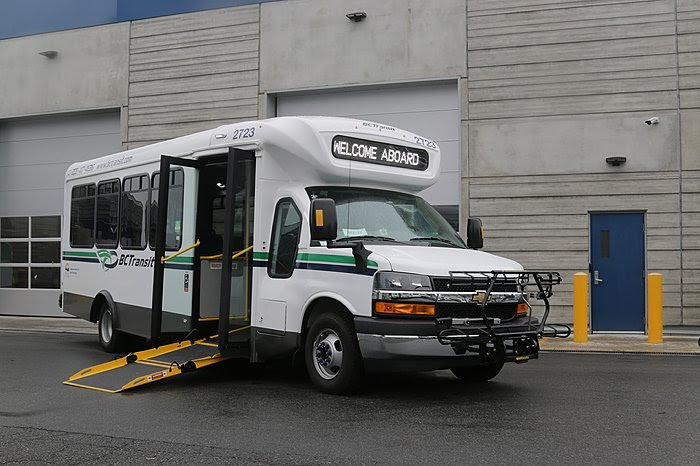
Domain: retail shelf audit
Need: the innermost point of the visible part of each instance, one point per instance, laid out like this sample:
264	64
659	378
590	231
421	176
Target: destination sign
379	153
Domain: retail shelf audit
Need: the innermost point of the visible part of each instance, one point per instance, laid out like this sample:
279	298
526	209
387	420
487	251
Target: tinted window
173	223
134	212
285	239
46	252
46	277
14	277
82	216
14	227
107	215
46	226
14	252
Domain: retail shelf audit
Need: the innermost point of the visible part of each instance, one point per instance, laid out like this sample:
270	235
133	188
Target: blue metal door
617	272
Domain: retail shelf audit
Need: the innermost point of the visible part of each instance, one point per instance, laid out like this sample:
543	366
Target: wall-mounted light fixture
615	160
357	16
49	54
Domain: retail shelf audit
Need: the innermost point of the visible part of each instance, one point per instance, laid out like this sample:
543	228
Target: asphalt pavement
563	408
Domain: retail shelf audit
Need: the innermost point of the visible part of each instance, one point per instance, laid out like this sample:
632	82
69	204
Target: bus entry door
178	273
225	225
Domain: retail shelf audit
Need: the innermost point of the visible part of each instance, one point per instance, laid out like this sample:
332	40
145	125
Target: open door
237	260
220	299
174	267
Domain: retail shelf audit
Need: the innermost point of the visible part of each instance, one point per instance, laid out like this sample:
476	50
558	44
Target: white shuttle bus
293	236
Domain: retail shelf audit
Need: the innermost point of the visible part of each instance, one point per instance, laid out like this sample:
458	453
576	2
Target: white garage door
34	156
430	110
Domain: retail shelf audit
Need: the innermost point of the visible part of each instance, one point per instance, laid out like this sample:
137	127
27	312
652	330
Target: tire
332	354
111	339
484	371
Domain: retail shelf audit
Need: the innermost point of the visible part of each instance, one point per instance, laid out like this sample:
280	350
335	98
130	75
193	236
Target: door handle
596	278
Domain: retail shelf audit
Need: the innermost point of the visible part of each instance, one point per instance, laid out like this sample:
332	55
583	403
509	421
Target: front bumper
407	344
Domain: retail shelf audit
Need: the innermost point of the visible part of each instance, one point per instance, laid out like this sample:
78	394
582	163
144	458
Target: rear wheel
110	338
486	370
332	354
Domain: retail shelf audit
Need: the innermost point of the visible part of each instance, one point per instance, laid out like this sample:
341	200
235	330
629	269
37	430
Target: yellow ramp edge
151	365
155	359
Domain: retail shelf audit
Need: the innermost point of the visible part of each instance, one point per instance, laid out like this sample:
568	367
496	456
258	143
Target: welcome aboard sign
362	150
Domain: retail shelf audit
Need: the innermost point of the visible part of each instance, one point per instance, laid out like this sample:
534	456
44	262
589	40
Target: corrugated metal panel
192	72
567	57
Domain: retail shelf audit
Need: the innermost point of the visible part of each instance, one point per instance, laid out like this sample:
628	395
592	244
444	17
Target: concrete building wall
192	72
555	88
310	44
689	91
89	72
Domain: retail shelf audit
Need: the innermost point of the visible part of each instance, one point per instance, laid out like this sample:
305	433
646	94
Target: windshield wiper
435	238
370	237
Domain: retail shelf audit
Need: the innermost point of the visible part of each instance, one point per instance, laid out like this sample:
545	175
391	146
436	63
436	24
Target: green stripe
79	254
182	260
328	258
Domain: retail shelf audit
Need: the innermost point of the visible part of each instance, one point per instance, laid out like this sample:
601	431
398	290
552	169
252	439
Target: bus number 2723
243	133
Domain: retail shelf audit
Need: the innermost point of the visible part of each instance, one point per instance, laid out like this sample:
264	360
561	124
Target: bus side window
134	212
173	224
284	244
107	216
82	216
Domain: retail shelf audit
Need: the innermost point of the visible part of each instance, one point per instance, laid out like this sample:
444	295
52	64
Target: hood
440	261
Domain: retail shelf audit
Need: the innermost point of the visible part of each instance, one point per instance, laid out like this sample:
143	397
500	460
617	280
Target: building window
30	252
134	215
173	223
82	216
285	239
107	216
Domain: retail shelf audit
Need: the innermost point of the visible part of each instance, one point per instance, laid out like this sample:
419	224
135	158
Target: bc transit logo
108	259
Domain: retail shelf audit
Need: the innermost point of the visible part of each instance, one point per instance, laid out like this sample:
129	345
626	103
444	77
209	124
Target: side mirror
323	220
475	233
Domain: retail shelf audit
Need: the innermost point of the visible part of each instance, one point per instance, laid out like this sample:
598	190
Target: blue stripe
322	267
179	266
81	259
26	17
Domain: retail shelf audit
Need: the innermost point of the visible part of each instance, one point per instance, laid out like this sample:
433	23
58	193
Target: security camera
652	121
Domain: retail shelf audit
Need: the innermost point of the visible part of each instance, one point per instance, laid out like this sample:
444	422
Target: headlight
395	281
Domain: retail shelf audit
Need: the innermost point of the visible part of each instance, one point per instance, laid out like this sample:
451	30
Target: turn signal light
522	309
404	309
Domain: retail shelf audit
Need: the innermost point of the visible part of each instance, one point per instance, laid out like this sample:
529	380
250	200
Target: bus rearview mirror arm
359	252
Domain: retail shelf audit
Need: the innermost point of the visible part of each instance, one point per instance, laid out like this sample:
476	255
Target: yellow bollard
580	307
655	321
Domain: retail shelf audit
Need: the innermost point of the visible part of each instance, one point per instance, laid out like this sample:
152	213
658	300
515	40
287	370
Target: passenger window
107	216
173	223
82	216
286	230
134	212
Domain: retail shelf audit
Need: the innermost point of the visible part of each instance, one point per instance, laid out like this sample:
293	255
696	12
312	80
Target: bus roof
323	149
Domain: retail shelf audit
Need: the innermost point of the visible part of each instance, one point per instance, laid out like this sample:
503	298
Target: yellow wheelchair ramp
148	366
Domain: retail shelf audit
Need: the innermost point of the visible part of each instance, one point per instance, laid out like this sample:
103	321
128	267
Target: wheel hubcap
327	354
106	326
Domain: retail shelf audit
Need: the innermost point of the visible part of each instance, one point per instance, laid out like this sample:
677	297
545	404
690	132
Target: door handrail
240	253
180	252
235	255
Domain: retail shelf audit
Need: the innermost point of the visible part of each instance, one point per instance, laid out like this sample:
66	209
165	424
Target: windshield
377	215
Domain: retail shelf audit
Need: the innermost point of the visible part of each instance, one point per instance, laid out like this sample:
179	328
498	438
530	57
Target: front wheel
110	338
484	371
332	354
